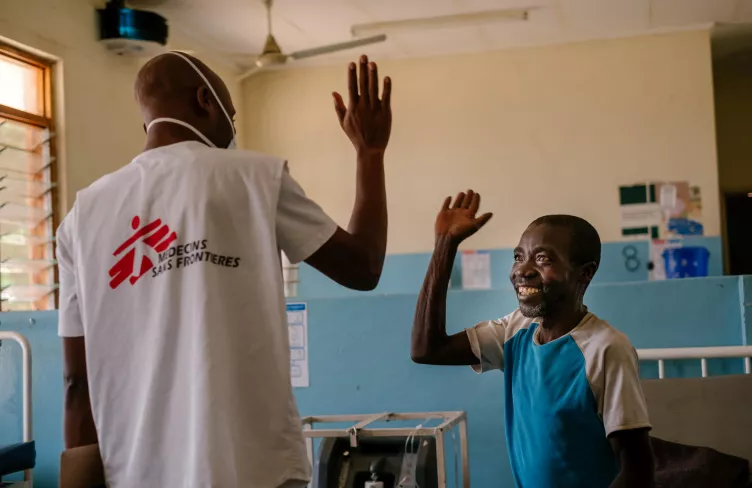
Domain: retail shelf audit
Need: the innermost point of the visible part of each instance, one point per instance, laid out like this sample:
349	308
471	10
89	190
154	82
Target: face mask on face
232	144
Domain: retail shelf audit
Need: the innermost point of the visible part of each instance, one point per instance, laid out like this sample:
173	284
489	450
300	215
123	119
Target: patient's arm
430	342
632	448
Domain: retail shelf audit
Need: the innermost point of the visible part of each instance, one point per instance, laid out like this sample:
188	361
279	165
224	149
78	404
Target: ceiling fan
272	54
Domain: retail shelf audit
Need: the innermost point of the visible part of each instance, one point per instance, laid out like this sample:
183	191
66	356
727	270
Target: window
28	196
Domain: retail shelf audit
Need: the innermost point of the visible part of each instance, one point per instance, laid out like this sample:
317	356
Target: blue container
686	262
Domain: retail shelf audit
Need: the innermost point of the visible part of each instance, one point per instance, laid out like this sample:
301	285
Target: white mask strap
184	124
211	88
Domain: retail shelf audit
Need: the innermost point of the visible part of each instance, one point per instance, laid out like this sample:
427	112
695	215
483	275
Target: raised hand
367	119
458	221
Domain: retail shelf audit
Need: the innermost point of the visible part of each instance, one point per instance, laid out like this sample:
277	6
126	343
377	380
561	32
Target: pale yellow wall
536	131
101	129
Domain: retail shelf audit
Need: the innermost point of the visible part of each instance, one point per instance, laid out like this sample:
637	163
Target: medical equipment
22	456
365	456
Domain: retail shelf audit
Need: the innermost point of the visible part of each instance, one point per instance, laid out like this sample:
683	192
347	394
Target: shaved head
168	86
168	76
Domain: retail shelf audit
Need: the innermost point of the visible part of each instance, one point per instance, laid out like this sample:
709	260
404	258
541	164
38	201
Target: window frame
45	95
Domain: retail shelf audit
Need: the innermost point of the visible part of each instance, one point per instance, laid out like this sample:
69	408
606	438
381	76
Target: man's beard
547	305
539	311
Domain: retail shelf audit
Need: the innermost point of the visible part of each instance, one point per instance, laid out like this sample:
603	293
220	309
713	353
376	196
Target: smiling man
575	412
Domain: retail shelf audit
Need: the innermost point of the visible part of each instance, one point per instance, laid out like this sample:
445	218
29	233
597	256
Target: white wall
99	125
535	130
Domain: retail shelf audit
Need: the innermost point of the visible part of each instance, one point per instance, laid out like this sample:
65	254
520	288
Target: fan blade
249	73
317	51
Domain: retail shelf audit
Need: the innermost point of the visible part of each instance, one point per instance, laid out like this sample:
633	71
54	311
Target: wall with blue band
621	262
359	358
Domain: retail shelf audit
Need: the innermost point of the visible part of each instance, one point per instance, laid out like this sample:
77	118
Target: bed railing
25	388
701	353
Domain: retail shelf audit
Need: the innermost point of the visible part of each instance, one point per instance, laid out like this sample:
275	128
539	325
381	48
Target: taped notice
297	327
476	270
641	215
660	210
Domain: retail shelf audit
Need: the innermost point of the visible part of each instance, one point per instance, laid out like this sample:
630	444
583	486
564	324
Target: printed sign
476	270
297	326
660	210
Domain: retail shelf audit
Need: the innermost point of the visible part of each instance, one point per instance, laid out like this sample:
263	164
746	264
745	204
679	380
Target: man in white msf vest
172	309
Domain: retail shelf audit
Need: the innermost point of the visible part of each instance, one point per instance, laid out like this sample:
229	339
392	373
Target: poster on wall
657	246
664	210
681	209
640	213
297	327
476	270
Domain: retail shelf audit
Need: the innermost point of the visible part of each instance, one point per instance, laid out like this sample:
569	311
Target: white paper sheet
297	326
640	215
476	270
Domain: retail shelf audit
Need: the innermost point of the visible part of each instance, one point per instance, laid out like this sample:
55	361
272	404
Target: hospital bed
20	457
709	411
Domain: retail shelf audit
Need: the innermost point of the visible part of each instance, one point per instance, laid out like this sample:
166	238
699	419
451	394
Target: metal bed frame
701	353
361	429
26	393
702	410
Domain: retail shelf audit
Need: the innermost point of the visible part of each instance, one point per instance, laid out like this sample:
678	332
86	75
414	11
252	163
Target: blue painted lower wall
47	390
359	358
404	273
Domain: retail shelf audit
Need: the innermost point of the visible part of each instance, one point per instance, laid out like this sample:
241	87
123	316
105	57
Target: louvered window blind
28	195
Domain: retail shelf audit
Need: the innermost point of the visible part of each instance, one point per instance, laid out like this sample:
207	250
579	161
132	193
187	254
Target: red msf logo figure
155	235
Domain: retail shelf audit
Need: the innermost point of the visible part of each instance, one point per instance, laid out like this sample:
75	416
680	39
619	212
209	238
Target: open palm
458	220
367	119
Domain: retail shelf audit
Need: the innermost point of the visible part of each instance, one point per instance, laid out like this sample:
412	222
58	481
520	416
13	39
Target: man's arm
430	342
632	449
625	416
78	422
355	258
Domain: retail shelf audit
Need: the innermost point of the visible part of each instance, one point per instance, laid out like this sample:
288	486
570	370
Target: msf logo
154	235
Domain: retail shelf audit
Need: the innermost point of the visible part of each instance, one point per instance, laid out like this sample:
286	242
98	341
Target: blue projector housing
118	22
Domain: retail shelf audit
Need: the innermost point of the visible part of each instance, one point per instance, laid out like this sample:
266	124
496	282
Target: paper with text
297	325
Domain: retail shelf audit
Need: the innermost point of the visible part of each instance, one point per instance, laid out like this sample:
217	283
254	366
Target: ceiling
237	28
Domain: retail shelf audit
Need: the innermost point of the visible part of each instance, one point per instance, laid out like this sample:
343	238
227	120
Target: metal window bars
26	391
701	353
362	428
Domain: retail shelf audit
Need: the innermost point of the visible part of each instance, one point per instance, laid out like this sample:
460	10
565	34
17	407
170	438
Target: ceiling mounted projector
126	31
